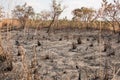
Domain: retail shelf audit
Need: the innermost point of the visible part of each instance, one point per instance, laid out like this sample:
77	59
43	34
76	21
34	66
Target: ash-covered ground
66	54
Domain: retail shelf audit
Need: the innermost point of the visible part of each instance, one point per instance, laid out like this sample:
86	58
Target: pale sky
40	5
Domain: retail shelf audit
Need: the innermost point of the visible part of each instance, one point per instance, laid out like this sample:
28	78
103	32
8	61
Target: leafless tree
57	9
23	13
111	13
45	15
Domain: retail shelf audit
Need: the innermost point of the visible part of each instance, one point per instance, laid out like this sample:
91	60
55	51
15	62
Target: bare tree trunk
52	22
113	28
22	24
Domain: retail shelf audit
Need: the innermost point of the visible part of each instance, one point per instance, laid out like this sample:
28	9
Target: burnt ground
56	59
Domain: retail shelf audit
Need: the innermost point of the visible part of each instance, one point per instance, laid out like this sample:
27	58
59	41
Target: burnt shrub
38	43
79	40
74	46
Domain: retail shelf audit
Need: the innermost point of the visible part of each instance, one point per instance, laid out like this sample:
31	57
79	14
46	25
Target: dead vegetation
47	59
77	49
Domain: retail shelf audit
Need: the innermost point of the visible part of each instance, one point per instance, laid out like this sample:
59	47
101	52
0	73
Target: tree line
84	17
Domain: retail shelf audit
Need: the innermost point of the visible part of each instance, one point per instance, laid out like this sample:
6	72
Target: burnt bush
79	40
